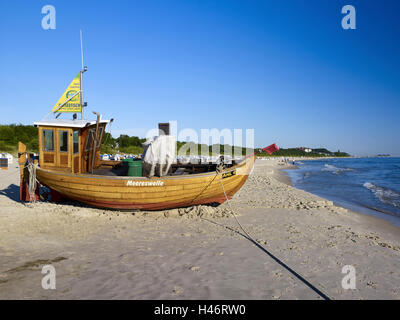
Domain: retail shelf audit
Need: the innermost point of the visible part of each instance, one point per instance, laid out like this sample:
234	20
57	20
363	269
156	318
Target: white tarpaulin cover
159	154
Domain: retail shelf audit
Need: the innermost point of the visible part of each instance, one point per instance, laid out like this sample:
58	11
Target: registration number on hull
228	174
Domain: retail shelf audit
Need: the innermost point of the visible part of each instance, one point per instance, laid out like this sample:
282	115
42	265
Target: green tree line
27	134
294	152
11	134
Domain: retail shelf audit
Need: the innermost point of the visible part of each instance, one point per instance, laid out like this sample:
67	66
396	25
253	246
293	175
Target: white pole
81	48
81	77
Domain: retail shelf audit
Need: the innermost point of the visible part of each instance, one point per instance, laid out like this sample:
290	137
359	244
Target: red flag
271	149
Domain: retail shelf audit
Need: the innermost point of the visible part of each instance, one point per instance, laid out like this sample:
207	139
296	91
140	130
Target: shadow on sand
11	192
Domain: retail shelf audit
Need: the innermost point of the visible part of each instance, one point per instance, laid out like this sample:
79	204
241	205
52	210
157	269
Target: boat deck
109	171
176	169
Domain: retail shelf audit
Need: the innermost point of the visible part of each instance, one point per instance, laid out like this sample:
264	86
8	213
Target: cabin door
64	148
76	152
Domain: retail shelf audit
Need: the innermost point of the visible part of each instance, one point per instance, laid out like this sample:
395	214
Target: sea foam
385	195
333	169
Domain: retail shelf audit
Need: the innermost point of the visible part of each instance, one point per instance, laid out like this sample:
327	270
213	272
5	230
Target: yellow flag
73	104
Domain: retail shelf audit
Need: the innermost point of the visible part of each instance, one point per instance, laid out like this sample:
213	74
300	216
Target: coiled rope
250	238
32	180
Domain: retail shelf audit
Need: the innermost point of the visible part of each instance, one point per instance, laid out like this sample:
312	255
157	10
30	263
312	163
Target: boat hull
156	193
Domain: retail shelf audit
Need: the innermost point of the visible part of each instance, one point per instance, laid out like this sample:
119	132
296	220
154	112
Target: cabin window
76	141
90	139
63	140
48	140
91	136
100	134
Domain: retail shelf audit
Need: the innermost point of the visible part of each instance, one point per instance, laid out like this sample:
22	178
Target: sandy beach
198	252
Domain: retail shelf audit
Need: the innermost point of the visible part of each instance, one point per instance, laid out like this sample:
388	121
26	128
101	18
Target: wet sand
199	252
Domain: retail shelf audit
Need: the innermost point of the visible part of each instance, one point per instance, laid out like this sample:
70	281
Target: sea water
365	185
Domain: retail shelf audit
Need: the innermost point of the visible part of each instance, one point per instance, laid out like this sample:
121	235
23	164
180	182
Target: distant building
308	150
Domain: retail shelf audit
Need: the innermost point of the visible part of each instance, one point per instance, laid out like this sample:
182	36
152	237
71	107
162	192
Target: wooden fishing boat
155	193
65	167
69	165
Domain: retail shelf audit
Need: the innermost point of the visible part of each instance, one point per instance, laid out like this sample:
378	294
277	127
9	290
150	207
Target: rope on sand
248	237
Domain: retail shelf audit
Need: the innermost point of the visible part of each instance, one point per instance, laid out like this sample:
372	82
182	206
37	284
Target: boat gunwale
244	162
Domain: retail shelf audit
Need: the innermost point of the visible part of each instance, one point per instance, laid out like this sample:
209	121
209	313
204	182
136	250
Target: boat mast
84	69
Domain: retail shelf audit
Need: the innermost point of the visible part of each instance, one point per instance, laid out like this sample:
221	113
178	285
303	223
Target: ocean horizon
365	185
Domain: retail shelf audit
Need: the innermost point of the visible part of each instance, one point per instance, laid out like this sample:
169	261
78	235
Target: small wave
385	195
336	170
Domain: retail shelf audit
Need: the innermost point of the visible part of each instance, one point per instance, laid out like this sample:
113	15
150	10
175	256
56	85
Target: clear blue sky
285	68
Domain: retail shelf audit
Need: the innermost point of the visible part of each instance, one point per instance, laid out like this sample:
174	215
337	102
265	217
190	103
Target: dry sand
190	254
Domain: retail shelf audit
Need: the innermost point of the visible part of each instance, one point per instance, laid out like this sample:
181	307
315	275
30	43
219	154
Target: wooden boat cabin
70	145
